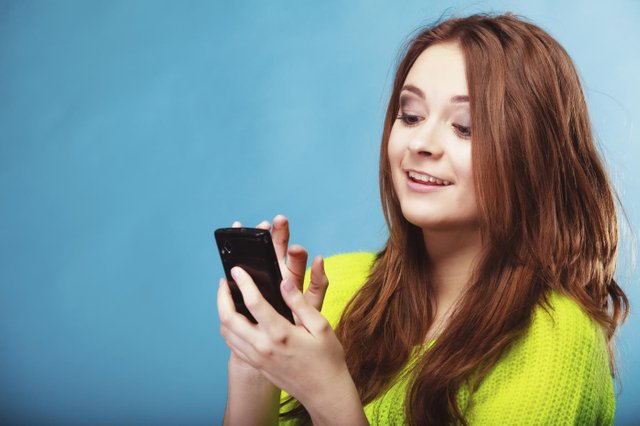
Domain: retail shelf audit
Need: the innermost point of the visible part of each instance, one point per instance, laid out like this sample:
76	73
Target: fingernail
288	286
235	272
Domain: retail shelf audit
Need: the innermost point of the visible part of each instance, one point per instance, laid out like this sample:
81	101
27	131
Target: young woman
493	300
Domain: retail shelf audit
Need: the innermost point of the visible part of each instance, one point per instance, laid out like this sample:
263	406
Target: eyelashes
463	131
409	120
413	120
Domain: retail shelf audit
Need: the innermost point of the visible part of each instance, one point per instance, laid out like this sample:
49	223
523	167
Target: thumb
318	284
305	314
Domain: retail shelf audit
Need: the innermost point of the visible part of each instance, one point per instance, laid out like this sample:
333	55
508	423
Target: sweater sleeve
557	374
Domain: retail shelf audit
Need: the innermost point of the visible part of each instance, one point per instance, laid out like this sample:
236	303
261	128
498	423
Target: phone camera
226	247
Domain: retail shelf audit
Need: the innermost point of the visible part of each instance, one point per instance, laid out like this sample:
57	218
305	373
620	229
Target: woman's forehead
439	73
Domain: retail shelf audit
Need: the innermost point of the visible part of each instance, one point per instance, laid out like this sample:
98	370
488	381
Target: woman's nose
426	142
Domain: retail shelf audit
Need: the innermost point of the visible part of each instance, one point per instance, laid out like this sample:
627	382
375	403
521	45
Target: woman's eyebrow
457	99
413	89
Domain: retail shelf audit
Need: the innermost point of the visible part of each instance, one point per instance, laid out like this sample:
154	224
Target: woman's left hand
306	360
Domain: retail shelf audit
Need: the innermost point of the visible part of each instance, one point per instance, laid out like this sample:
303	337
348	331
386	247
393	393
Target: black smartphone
252	250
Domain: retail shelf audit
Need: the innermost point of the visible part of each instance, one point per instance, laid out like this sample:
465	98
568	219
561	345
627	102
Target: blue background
130	130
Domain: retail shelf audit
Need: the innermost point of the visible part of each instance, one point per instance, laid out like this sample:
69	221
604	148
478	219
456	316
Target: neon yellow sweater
556	374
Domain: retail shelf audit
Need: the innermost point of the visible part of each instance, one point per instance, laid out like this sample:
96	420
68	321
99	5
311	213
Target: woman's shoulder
564	333
562	315
349	266
558	370
562	329
346	272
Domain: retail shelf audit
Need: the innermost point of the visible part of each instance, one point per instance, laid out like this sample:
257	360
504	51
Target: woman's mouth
427	180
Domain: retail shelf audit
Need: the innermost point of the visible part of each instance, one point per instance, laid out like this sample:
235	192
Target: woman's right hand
293	263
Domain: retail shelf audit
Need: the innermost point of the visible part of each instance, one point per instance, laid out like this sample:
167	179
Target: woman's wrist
252	398
339	404
245	375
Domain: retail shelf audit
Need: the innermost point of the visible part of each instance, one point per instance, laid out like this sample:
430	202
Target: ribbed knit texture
556	374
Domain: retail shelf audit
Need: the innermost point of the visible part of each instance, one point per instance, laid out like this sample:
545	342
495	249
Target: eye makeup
408	101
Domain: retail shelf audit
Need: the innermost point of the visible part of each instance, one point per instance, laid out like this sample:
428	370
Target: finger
239	355
308	316
236	224
246	340
318	285
264	225
230	318
296	264
280	237
240	347
268	318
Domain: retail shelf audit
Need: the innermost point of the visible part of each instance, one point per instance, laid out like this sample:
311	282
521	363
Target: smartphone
252	250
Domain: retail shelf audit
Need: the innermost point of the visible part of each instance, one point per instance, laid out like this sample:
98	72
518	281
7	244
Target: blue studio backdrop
130	130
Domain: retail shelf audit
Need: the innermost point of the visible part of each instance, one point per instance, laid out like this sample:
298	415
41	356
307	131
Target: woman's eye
463	131
409	120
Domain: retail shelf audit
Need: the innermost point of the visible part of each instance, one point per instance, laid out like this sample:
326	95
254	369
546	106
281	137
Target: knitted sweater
557	373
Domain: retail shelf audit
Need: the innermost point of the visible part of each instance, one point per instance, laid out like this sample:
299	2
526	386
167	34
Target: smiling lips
425	179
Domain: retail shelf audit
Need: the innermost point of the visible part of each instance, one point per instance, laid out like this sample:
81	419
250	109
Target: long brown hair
547	213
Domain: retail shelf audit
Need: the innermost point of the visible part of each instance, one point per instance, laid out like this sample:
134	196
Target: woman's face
430	143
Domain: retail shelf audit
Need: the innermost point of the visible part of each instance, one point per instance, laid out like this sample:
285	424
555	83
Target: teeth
429	179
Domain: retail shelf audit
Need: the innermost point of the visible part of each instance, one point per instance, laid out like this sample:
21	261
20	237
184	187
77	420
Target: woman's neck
452	255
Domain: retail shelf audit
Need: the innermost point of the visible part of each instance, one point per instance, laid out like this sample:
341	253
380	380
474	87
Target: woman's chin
434	223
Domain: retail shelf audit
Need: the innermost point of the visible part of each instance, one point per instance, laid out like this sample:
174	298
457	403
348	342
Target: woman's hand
292	268
305	359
